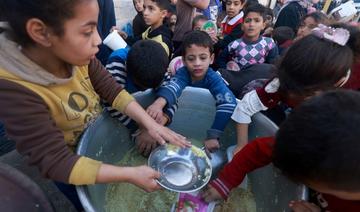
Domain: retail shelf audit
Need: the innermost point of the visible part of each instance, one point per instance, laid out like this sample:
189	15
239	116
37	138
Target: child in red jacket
318	145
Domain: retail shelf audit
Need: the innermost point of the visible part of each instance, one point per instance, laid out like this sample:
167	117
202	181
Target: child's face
197	60
153	15
139	5
198	25
305	27
173	19
252	26
233	7
79	43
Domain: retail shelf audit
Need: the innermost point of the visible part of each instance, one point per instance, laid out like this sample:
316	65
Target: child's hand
303	206
214	38
211	145
145	143
163	134
155	112
210	194
121	33
144	177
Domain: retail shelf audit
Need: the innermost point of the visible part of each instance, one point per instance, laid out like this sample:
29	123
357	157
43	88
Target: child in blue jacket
197	56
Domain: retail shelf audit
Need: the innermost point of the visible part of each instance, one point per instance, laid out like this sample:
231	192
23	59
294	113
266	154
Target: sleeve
289	17
256	154
169	110
29	123
224	57
225	104
107	88
247	107
273	53
172	90
116	67
236	33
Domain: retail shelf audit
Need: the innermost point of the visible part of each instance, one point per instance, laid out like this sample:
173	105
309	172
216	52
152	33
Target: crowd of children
53	86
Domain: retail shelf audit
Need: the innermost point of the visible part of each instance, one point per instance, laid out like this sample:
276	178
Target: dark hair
313	64
198	38
52	12
147	63
319	141
242	2
198	18
269	12
256	8
319	18
354	40
282	34
163	4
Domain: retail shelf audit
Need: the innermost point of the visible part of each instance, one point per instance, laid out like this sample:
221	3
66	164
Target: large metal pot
108	141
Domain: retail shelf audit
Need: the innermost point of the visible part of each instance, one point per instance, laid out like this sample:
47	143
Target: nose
97	39
197	62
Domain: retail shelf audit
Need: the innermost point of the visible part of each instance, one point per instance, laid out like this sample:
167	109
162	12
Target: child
154	13
51	86
252	48
231	24
198	22
318	145
309	22
139	25
135	76
172	22
303	72
197	56
269	18
283	37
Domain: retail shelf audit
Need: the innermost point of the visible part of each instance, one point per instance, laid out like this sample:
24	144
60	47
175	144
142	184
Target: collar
234	20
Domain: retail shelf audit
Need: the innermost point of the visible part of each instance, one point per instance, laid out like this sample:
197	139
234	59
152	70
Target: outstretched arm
256	154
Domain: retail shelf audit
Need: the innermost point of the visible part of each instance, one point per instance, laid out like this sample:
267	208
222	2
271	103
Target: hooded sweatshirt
45	115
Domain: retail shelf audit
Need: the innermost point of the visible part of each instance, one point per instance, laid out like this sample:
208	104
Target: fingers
207	152
210	194
303	206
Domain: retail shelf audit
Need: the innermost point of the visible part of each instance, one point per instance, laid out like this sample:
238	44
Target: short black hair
198	18
256	8
282	34
319	141
199	38
163	4
147	63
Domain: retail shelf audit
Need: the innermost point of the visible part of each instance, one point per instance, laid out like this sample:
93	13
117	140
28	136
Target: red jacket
354	80
229	25
257	154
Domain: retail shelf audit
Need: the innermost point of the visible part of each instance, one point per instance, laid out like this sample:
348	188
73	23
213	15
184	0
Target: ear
212	57
164	13
263	25
38	31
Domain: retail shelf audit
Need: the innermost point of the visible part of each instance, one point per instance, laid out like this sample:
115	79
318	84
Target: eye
190	58
203	57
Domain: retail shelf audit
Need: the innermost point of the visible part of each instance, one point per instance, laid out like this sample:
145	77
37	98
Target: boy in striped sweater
143	66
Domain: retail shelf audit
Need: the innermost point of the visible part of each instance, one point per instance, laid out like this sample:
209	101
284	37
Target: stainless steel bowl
181	169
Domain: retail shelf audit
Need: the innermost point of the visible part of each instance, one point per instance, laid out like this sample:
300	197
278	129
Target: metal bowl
181	169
